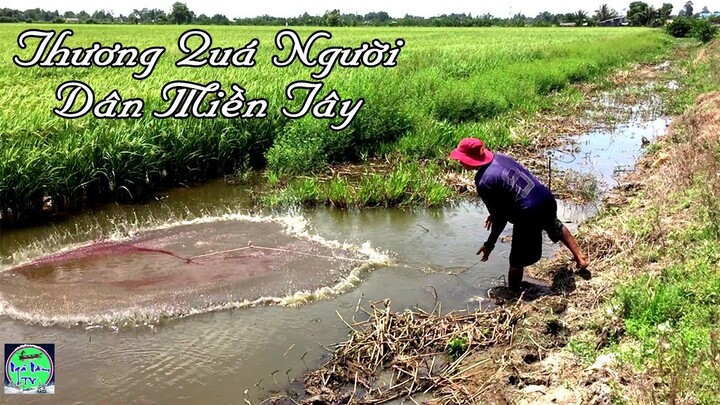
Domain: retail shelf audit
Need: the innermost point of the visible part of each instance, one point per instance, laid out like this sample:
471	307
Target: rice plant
449	83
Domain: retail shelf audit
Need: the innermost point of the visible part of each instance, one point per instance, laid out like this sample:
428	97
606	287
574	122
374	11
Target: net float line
152	250
249	246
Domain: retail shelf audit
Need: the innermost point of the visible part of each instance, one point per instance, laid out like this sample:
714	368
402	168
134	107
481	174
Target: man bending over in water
512	194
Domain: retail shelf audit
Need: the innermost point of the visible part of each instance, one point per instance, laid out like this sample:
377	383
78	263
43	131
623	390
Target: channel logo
29	368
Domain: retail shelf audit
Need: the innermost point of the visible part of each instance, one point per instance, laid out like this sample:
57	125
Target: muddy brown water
133	325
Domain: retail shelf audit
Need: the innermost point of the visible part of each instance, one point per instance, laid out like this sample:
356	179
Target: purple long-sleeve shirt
508	190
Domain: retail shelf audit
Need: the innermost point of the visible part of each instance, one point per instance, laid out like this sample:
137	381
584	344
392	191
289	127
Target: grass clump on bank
449	83
405	185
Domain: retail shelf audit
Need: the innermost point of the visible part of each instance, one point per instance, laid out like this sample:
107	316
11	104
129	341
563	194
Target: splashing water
177	268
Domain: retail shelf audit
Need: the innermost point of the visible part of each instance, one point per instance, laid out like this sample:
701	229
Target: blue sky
292	8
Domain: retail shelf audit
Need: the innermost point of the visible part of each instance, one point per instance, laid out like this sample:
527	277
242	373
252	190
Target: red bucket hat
472	152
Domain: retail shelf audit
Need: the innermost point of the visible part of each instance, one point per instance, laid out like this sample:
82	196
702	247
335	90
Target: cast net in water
182	270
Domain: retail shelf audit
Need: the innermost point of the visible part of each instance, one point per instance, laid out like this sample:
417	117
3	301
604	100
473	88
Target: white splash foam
294	225
151	316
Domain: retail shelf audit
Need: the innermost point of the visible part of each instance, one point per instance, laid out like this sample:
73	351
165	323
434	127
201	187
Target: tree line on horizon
638	13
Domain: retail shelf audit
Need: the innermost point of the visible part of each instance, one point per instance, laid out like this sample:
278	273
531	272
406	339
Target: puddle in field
221	355
606	155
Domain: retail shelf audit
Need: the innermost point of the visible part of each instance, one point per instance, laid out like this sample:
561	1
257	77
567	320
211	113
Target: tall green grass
406	185
449	83
674	317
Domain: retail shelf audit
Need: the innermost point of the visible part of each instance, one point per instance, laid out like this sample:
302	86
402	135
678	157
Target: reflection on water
605	155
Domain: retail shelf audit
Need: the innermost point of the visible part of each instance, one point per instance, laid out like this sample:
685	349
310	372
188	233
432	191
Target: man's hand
485	252
488	223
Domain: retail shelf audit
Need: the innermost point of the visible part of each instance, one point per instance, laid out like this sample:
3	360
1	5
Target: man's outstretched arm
497	226
495	222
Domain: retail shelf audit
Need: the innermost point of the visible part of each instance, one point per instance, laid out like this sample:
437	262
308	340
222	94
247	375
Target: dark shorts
526	248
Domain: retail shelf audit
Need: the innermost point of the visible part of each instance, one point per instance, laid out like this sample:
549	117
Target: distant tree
157	16
580	17
147	16
332	18
604	12
307	19
665	12
220	19
353	20
102	16
544	19
10	14
486	20
134	17
181	14
518	20
34	14
640	14
377	18
688	9
203	19
705	10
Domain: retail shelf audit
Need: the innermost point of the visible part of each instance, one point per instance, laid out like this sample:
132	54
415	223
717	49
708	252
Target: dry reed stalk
411	346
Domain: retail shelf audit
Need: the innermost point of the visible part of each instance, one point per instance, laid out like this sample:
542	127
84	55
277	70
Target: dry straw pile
392	355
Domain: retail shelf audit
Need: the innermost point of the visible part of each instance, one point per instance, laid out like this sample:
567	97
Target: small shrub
338	193
299	150
680	27
700	29
456	347
703	31
428	142
549	81
583	348
379	122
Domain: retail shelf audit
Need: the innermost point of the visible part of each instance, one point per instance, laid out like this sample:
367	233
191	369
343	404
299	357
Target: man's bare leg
569	241
515	276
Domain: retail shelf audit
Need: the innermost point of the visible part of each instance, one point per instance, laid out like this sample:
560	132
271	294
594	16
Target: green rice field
449	83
